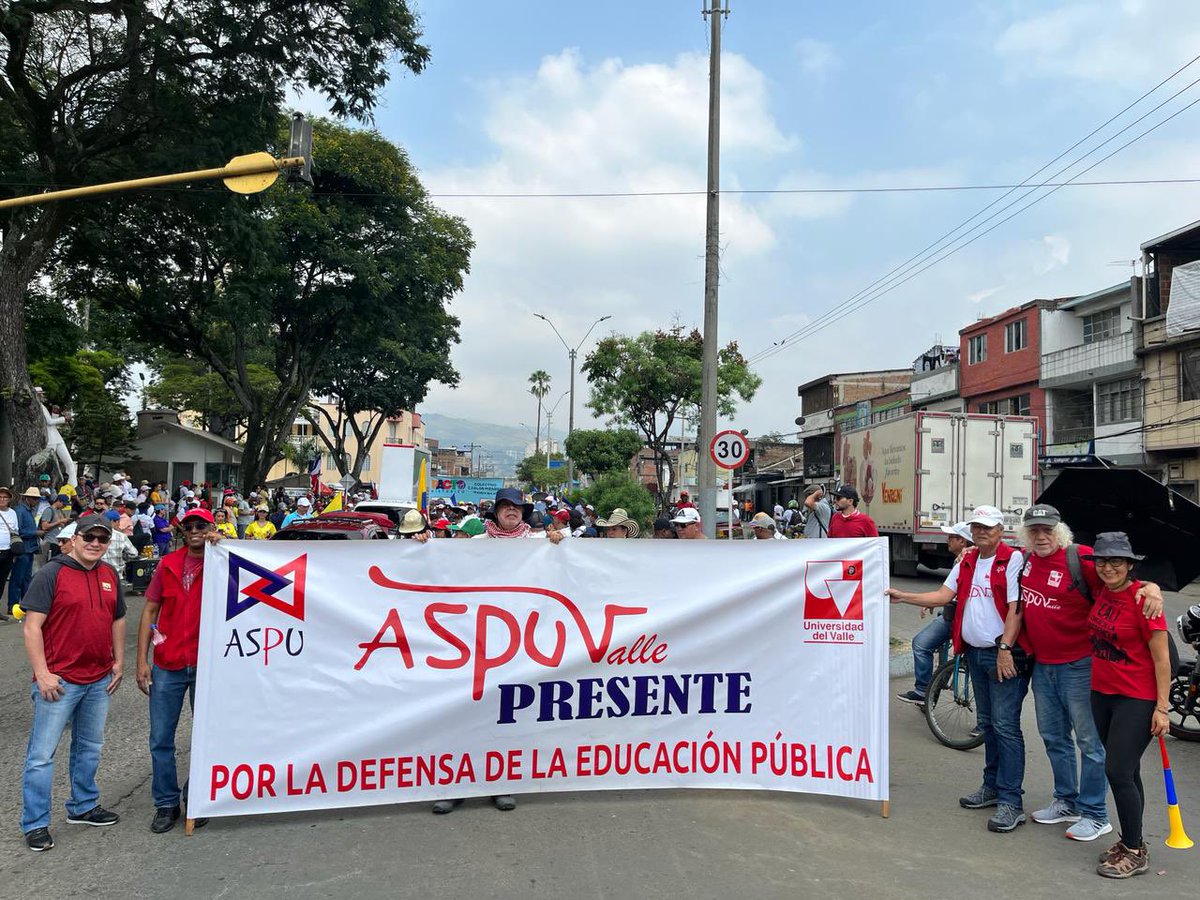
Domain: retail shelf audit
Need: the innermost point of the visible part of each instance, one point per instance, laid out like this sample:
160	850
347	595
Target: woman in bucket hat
1131	680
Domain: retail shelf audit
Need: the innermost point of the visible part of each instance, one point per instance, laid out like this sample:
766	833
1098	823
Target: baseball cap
43	477
986	515
198	513
68	532
303	501
662	523
686	516
962	529
847	491
1041	514
762	520
87	523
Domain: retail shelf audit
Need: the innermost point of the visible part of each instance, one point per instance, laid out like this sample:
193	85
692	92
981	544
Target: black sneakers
97	816
442	807
911	697
39	839
164	818
505	802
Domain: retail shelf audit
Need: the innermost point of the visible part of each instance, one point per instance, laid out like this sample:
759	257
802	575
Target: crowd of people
1069	620
1072	622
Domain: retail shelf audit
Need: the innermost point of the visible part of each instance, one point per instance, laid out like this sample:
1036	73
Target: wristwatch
1000	645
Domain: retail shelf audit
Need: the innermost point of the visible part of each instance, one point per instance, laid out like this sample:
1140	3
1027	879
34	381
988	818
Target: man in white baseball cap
987	628
937	632
302	511
687	524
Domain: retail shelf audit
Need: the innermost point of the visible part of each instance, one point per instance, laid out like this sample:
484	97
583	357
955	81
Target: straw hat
620	517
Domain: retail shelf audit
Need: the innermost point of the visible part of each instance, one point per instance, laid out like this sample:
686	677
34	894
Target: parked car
338	526
393	509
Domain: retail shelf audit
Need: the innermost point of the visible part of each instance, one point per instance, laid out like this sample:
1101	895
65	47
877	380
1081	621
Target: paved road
651	844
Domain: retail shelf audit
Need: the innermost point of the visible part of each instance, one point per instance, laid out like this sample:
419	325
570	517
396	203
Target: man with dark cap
75	640
848	522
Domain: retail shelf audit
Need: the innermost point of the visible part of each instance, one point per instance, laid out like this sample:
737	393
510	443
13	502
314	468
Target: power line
880	286
946	254
590	195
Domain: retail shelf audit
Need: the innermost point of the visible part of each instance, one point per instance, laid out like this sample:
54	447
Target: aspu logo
269	588
833	601
270	583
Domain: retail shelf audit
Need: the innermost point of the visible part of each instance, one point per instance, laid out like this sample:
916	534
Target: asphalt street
644	844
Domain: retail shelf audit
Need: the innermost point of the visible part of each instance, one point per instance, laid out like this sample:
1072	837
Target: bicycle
950	704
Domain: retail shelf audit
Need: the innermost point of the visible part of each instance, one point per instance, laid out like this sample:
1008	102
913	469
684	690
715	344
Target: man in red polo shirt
848	522
171	625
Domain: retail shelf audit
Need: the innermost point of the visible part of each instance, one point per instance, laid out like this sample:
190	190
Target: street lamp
549	416
571	354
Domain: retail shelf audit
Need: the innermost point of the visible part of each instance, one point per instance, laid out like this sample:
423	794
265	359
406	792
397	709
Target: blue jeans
85	707
168	688
998	712
18	580
1063	697
924	646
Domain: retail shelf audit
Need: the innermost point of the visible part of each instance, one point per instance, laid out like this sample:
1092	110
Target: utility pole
706	473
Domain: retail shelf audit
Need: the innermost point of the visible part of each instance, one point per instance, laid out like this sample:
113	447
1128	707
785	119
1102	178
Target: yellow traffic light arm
244	174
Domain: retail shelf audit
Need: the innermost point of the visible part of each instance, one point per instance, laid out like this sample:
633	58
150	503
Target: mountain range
506	444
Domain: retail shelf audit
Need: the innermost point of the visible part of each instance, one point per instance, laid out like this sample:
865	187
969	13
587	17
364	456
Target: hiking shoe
39	839
911	697
444	806
164	819
97	816
1112	852
1088	830
1057	811
505	802
985	796
1005	819
1128	864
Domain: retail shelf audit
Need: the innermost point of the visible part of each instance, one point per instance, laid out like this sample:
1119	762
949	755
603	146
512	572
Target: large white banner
381	672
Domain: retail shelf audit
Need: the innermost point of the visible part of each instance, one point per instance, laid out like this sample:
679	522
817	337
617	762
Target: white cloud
1127	43
817	58
608	127
979	296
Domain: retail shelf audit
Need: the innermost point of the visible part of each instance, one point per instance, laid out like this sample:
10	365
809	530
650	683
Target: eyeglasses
196	526
102	537
1110	563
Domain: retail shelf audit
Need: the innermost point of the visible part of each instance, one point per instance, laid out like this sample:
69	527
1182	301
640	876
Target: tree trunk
21	256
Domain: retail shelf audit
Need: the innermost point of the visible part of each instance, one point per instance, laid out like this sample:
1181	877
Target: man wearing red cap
171	623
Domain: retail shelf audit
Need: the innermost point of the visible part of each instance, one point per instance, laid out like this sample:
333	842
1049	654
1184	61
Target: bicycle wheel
1185	705
950	706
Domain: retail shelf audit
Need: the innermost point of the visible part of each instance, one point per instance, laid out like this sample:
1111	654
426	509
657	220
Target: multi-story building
450	462
1000	367
403	428
820	400
1092	380
1170	358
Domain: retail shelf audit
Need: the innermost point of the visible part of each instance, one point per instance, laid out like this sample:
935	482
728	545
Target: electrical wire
879	287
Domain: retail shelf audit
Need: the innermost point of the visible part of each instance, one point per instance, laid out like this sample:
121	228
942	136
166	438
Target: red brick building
1001	363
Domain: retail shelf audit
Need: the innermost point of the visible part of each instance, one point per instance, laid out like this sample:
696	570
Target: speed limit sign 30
729	449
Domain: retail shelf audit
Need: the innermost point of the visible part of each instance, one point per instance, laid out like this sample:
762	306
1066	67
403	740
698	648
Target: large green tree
96	91
647	380
597	450
304	283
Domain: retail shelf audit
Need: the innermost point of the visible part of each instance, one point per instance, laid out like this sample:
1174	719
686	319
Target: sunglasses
95	537
196	526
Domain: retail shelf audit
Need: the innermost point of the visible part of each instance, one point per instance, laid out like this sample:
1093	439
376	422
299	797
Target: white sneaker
1088	830
1057	811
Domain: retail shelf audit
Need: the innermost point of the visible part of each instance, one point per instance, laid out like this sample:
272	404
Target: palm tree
540	381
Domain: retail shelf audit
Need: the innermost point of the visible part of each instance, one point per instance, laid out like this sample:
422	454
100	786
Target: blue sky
538	96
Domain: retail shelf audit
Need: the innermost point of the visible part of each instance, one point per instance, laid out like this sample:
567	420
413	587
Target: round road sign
729	449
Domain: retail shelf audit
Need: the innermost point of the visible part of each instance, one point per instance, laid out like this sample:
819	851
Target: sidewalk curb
900	664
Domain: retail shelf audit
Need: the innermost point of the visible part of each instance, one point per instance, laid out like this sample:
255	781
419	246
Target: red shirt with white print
1056	616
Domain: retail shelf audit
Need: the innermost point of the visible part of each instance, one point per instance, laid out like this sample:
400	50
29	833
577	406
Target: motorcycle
1185	689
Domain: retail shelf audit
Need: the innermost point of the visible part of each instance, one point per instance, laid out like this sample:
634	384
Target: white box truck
923	470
